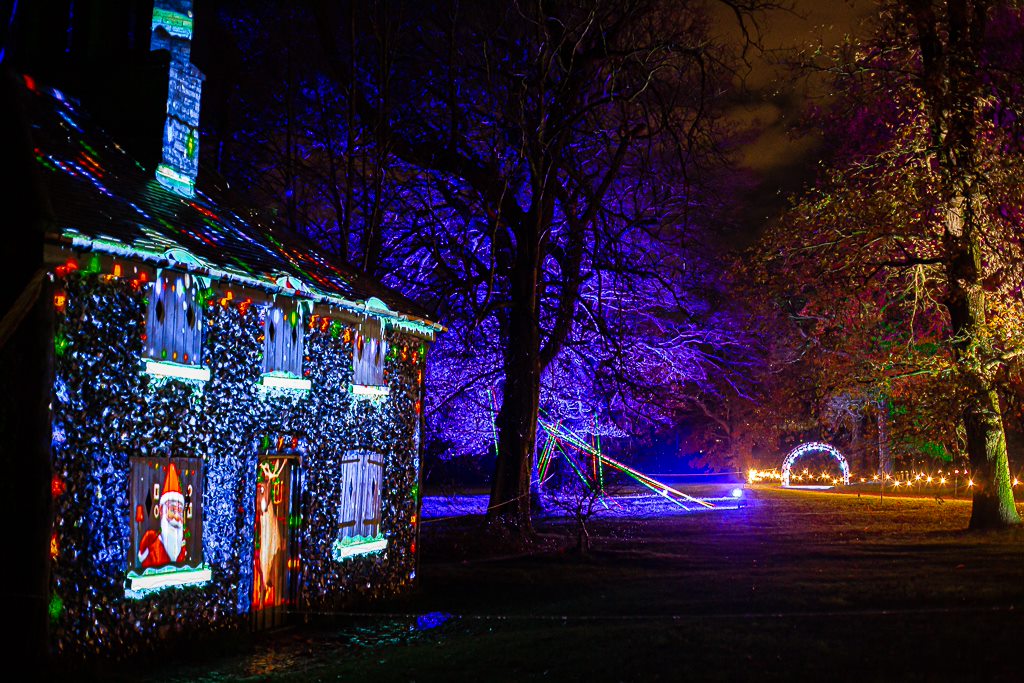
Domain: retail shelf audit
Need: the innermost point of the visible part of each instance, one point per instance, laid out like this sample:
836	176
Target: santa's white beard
172	535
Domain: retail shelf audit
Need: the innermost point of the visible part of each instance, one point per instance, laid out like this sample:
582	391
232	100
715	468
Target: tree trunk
884	454
993	505
509	510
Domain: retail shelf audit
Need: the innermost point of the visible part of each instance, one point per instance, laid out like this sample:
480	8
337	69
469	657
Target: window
283	332
167	525
359	510
174	327
368	353
284	328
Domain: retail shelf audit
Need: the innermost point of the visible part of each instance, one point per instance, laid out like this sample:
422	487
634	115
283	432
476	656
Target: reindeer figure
270	535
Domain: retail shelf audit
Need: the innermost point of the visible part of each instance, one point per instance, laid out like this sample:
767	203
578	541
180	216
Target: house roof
103	200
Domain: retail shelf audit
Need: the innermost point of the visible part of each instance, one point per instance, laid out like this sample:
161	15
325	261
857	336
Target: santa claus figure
156	550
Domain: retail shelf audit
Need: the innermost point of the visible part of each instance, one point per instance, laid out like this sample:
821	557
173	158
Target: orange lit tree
907	254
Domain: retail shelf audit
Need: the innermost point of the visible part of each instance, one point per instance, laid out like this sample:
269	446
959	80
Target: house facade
234	421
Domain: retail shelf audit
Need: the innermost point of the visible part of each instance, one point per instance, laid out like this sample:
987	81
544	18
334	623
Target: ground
794	585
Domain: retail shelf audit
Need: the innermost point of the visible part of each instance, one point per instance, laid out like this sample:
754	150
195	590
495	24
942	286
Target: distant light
737	493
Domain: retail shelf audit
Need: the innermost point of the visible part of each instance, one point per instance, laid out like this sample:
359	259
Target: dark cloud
773	97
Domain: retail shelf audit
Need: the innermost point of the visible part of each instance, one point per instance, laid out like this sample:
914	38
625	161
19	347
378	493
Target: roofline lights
109	245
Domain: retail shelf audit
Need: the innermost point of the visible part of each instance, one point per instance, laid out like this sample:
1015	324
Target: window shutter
174	323
359	510
283	337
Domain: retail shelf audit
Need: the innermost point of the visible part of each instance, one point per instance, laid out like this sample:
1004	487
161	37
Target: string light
903	480
814	447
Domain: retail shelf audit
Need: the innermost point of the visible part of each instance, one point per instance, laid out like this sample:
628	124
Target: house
227	428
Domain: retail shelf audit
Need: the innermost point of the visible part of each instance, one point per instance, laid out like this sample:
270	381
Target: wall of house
105	410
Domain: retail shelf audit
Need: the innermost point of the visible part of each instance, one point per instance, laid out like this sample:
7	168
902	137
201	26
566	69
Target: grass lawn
796	585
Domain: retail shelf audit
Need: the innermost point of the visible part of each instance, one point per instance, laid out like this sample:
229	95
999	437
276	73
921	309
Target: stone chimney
172	31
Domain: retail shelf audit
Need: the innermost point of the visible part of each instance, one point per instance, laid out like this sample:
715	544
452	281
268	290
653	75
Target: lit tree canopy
908	251
538	172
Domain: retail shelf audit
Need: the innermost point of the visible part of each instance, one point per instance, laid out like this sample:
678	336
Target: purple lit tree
535	172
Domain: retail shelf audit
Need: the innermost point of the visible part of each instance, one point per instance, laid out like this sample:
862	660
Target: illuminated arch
814	447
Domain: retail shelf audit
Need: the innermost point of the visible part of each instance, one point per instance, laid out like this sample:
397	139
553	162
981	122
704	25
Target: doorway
275	541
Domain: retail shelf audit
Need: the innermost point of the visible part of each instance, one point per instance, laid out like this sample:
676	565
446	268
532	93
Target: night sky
766	112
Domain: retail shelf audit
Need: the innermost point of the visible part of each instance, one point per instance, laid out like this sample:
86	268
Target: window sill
159	368
153	580
369	390
353	547
281	381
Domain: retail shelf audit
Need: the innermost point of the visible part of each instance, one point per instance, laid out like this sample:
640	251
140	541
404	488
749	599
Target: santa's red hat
172	486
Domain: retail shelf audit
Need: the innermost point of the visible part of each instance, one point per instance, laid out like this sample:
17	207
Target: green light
175	23
176	182
60	344
494	414
94	265
56	607
335	329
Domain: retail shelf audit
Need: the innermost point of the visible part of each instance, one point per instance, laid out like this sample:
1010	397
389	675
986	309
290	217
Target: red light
57	486
30	82
68	266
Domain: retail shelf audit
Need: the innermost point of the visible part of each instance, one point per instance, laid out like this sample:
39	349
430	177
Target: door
276	550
